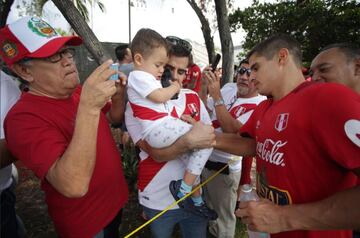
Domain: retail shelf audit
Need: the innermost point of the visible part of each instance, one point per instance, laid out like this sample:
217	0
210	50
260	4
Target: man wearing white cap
60	130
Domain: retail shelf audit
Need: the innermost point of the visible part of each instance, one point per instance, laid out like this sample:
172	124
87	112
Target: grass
240	230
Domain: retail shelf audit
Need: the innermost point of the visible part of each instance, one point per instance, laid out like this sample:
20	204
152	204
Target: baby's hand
177	84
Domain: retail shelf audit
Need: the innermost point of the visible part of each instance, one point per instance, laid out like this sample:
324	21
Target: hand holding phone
165	78
115	76
215	62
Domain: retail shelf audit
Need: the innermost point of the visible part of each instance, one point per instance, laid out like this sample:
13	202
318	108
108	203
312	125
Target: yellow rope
176	202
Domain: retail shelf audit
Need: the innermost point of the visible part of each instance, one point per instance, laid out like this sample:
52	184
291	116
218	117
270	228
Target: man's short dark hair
121	51
244	61
269	47
179	51
145	41
351	51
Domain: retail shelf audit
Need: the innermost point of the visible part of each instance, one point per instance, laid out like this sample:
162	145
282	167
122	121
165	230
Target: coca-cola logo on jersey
270	151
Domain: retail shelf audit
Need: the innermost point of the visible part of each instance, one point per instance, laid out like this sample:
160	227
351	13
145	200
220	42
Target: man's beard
243	91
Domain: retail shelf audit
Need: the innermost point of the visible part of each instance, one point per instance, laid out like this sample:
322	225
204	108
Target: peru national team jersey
154	177
38	131
306	145
193	78
149	113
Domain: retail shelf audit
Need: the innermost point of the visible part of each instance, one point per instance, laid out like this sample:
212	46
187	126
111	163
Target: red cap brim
54	46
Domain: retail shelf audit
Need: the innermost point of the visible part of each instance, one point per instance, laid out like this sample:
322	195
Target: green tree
36	7
314	23
205	10
91	42
200	10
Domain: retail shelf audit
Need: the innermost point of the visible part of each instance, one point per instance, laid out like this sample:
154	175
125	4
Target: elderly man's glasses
67	52
244	70
180	42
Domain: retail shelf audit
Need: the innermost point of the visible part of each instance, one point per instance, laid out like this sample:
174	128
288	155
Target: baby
150	104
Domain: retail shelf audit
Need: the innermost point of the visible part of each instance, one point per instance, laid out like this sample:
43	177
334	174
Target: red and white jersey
150	114
307	143
38	130
154	177
193	78
240	109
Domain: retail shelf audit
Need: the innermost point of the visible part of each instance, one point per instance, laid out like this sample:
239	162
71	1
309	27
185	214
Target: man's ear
283	55
138	59
23	72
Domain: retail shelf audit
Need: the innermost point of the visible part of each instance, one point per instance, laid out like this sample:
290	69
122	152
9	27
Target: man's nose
252	76
246	77
65	60
316	77
243	77
174	74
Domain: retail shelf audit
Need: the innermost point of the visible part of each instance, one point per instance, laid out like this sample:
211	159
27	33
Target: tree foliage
36	7
72	15
206	12
314	23
200	11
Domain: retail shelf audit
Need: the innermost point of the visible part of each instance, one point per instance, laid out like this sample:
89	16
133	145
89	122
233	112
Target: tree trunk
4	11
78	23
205	28
227	47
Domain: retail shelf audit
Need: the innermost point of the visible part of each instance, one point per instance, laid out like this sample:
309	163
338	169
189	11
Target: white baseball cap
31	37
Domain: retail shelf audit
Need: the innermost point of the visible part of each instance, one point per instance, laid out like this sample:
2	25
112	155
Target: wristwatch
218	102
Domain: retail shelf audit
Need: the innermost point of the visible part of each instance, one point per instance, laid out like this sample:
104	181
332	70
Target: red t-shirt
306	147
38	131
193	78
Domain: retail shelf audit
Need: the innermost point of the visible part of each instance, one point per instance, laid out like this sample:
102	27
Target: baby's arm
162	95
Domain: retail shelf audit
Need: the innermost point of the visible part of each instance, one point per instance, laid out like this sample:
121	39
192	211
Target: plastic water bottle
249	194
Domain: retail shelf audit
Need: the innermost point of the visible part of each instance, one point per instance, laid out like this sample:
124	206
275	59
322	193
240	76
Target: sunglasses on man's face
244	70
173	40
